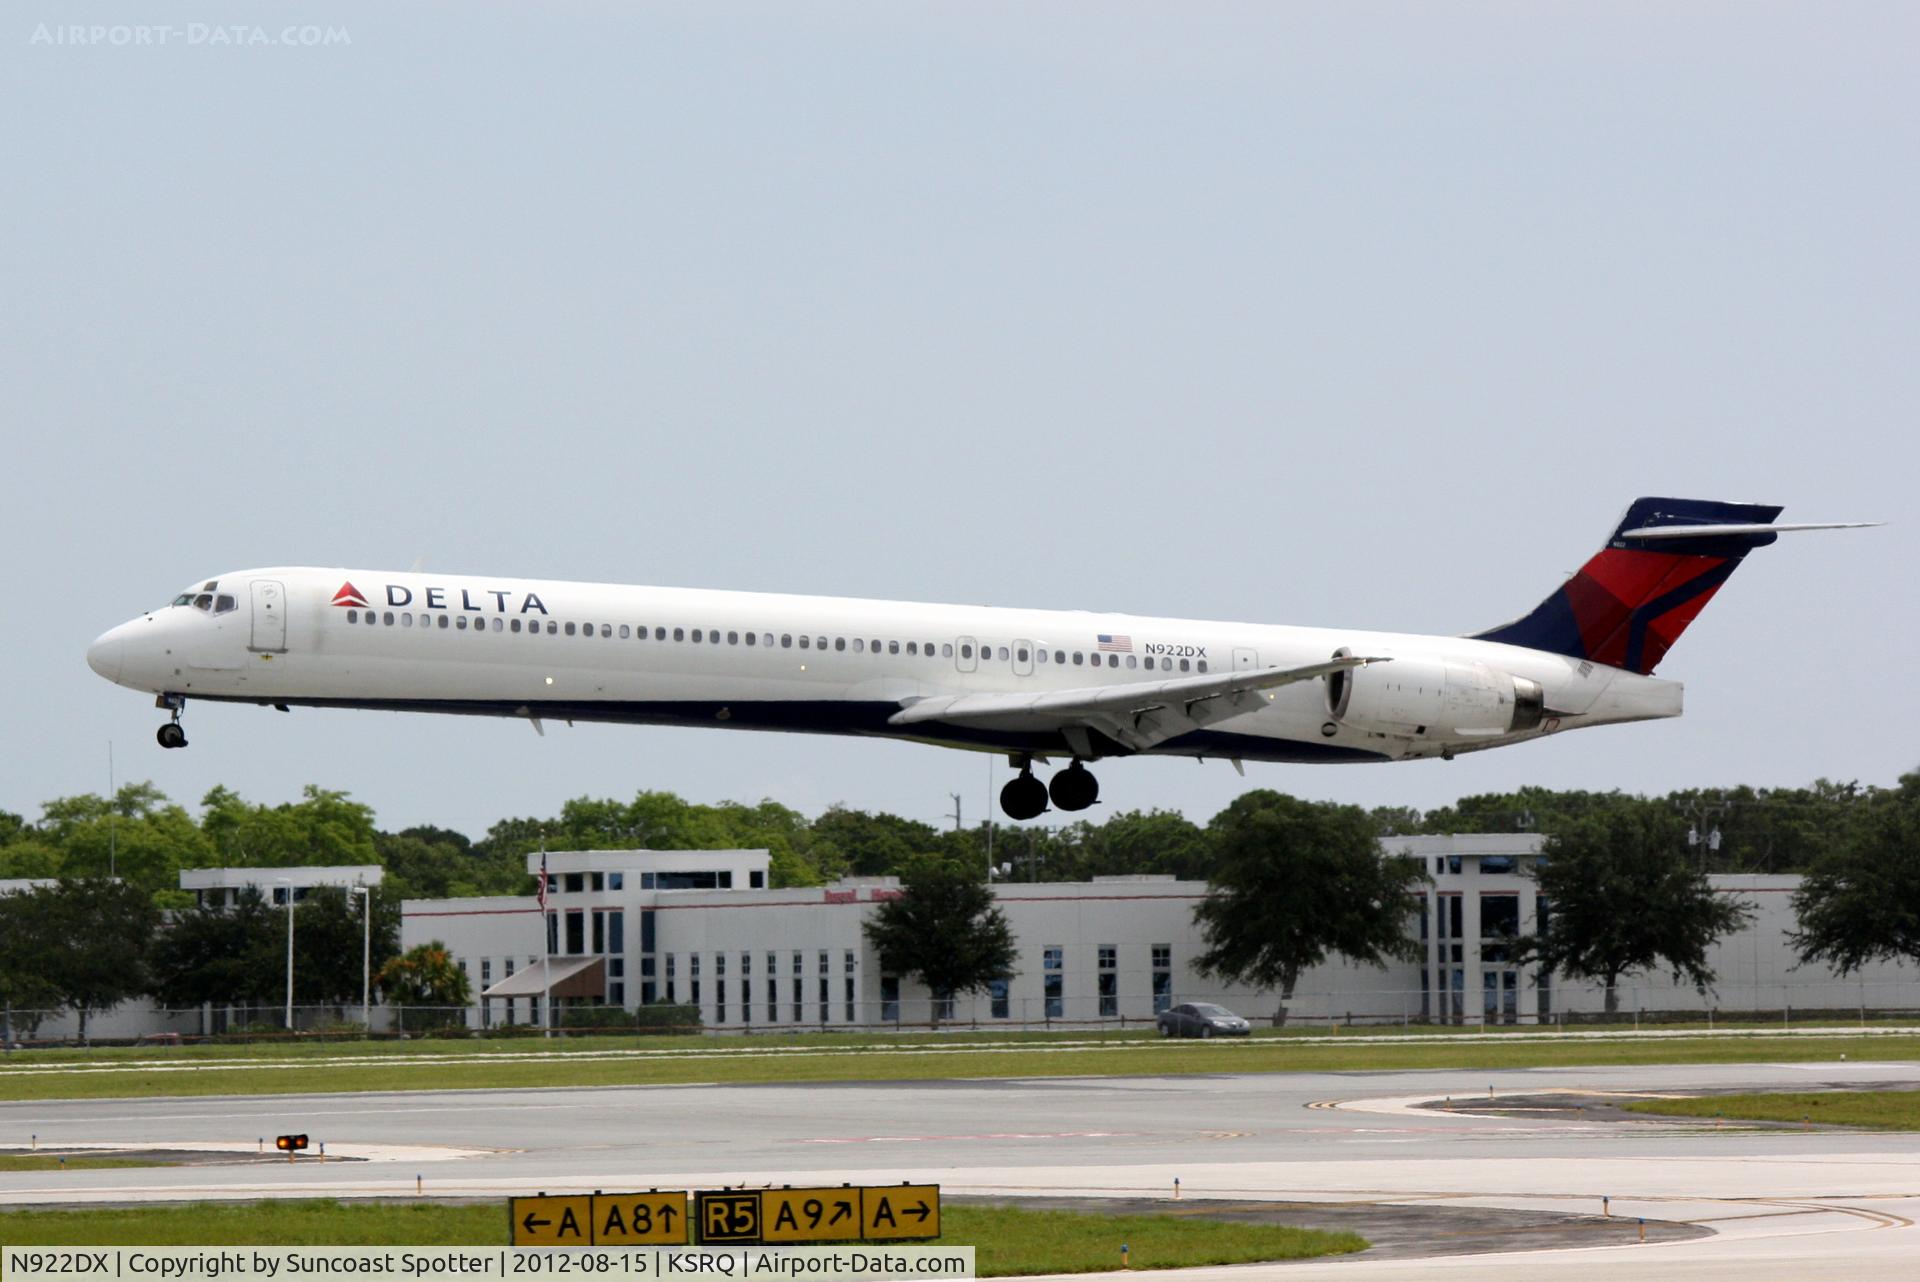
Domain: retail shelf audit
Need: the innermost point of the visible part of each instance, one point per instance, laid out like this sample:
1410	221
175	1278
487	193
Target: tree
25	944
424	975
220	954
328	934
103	932
1623	896
944	930
1294	882
1861	901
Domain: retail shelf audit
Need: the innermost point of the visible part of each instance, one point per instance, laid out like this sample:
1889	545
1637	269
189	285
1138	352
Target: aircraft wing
1138	714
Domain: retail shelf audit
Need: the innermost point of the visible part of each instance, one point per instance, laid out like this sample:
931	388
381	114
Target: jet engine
1433	699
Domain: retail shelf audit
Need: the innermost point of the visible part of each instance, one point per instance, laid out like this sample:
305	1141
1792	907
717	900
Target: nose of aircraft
107	654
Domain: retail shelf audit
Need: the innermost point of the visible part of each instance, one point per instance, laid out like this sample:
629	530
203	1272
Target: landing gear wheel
171	735
1024	797
1074	788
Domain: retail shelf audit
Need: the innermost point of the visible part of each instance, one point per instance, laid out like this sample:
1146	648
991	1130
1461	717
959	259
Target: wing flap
1138	714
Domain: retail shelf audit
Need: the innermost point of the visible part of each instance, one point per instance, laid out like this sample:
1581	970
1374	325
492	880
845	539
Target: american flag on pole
542	893
1117	644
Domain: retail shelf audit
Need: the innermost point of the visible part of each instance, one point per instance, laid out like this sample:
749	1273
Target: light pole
289	885
366	955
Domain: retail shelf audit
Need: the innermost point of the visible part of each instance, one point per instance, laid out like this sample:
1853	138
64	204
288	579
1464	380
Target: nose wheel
173	734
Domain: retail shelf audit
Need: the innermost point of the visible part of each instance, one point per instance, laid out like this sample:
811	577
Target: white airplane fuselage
559	651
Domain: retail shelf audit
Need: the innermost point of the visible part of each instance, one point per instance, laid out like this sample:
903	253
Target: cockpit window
185	598
204	601
224	603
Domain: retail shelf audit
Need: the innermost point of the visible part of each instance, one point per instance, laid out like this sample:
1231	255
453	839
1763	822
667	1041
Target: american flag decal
1119	645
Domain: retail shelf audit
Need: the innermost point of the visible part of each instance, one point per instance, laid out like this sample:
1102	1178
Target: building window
799	983
616	881
616	932
693	978
576	932
1055	981
849	985
890	999
670	971
826	969
1162	977
616	993
997	998
773	990
1109	981
599	933
943	1006
553	933
576	882
1491	865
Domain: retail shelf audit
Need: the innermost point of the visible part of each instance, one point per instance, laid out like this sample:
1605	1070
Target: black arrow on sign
666	1216
919	1211
530	1224
841	1211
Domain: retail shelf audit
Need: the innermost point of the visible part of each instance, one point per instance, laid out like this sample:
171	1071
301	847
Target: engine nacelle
1433	699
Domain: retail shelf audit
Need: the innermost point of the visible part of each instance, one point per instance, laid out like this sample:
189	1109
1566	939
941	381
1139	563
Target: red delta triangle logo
349	595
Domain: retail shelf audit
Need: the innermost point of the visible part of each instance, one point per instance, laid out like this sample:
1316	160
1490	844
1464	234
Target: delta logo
349	595
400	596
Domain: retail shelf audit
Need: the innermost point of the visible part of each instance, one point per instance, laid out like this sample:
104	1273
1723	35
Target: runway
1780	1203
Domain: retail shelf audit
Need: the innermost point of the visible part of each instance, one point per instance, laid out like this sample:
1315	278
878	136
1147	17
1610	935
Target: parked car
1202	1019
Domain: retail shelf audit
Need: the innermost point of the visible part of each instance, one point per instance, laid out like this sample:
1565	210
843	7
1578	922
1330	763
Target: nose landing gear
172	734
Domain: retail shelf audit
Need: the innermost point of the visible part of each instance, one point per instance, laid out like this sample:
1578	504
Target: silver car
1202	1019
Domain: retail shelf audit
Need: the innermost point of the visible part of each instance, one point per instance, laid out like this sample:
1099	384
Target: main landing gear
1025	797
173	734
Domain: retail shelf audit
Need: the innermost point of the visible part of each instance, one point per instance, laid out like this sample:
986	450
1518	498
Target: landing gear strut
1074	788
172	734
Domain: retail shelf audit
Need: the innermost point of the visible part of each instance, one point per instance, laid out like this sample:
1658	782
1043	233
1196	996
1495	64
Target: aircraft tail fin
1631	601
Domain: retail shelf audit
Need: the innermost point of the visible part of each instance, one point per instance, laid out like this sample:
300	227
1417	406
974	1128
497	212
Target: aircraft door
1023	658
269	616
964	650
1245	660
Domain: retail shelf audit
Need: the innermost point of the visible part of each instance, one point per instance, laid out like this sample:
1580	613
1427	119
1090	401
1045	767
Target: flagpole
546	939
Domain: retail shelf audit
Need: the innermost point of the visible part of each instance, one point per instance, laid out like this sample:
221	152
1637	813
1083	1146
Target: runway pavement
1781	1203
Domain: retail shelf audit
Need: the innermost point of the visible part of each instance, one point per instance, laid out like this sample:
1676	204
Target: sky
1368	315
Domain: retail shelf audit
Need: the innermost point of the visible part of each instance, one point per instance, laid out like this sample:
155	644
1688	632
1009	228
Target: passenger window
966	652
606	631
696	635
1021	654
514	626
679	634
874	646
387	618
569	629
1003	654
1078	658
819	643
786	640
1183	665
859	646
1131	661
733	638
1202	663
353	616
496	623
839	643
912	648
1059	656
440	620
1040	655
461	623
1113	661
406	620
750	638
660	634
804	642
623	632
946	649
893	647
1148	661
766	639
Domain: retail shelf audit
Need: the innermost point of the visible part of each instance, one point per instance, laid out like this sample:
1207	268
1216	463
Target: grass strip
1009	1241
52	1162
475	1067
1880	1110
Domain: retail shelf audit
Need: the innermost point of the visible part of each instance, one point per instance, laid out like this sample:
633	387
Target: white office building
703	928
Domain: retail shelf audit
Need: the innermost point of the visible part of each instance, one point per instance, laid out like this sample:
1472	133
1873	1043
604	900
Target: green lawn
1881	1110
1008	1241
48	1162
306	1068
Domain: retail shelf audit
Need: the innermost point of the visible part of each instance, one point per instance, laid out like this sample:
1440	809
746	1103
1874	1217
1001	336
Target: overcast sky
1374	315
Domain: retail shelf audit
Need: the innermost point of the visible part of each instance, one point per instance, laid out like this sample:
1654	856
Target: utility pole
113	841
955	816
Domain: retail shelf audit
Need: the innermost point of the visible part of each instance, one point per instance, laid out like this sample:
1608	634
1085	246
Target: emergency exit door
269	616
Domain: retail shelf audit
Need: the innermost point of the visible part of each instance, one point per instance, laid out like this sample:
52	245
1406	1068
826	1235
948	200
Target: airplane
1033	684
